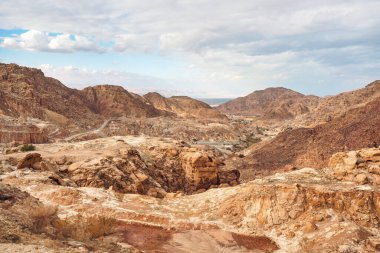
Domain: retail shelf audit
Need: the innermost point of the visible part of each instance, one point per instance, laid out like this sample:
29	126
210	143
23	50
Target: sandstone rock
374	170
32	160
361	166
200	169
318	217
314	190
61	160
310	227
24	135
57	179
230	177
361	179
156	193
373	244
343	162
290	234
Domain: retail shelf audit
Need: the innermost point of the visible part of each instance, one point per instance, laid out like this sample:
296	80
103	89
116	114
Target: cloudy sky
200	48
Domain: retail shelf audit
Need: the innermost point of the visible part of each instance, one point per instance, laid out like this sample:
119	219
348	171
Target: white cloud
81	77
250	44
43	41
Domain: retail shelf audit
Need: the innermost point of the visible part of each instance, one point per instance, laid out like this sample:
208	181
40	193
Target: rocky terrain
272	103
334	106
27	93
113	171
312	147
145	165
335	209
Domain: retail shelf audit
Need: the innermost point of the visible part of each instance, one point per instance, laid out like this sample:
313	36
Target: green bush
28	147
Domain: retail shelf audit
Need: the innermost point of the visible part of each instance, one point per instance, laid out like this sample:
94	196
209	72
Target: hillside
183	106
334	106
312	147
26	92
271	103
115	101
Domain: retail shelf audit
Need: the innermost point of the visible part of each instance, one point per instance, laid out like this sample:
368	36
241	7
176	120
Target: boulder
200	168
362	166
32	161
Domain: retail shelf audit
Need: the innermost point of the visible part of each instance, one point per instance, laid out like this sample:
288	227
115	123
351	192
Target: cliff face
23	136
271	103
183	106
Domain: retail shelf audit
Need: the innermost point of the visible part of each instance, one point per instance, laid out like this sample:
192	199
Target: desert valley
105	170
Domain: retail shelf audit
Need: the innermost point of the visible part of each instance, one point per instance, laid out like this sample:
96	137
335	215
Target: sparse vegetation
43	216
252	139
84	228
28	147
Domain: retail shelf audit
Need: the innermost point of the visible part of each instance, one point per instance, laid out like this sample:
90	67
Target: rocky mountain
26	92
183	106
311	147
334	106
271	103
115	101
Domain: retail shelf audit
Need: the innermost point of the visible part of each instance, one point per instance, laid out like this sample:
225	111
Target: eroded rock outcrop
24	135
149	170
200	168
126	173
362	167
307	210
32	161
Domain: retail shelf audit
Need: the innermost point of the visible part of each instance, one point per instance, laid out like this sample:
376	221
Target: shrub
84	228
28	147
42	215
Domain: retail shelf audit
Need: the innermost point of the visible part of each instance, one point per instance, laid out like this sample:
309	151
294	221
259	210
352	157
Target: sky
199	48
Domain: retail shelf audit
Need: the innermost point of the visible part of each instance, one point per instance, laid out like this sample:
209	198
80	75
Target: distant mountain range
347	121
26	92
272	103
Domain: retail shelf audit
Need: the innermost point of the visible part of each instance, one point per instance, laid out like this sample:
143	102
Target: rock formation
307	210
148	170
32	161
28	134
200	168
361	167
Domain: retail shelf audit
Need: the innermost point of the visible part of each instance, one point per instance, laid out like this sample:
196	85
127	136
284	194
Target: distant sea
214	101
